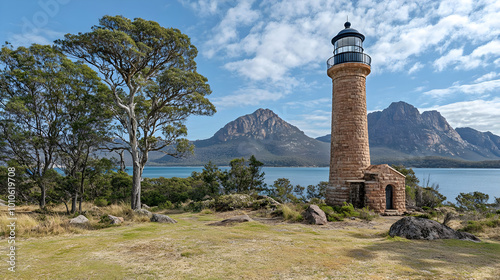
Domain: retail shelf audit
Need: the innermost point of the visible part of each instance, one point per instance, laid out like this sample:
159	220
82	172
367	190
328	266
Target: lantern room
348	47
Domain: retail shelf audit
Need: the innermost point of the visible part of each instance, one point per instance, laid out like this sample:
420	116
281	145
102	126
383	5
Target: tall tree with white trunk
152	76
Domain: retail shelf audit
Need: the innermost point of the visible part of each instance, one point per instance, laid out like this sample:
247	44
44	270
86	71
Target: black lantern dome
348	47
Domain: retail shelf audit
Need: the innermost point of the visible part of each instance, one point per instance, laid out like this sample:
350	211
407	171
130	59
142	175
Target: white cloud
478	57
478	88
417	66
315	123
290	34
204	7
482	115
227	30
246	97
487	77
453	56
41	36
311	103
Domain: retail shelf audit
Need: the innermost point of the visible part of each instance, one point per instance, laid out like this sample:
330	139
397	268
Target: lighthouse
352	178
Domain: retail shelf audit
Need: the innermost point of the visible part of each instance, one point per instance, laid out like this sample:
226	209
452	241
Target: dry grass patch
192	250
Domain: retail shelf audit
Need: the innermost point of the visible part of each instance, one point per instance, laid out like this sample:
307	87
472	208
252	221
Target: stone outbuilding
384	189
352	177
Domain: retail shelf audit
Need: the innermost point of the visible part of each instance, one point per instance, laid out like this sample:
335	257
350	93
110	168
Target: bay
452	181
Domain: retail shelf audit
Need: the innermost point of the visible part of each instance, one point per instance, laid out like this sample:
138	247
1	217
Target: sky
434	55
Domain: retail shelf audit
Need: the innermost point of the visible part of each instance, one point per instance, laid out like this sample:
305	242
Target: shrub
232	202
478	226
425	216
475	201
100	202
366	214
335	217
194	206
291	214
348	210
490	215
473	226
165	205
206	212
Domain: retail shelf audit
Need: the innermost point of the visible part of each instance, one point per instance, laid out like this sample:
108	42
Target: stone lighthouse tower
352	178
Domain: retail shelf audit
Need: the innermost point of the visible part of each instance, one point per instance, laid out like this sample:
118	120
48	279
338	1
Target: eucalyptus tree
151	73
37	87
85	126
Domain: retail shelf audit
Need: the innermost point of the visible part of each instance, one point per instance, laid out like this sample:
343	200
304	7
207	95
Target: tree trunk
136	186
42	198
73	202
80	203
122	161
67	208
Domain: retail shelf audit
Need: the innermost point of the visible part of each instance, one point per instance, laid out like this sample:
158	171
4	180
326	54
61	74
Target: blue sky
435	55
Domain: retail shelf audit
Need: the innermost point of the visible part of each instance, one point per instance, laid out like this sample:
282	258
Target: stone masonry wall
350	153
375	189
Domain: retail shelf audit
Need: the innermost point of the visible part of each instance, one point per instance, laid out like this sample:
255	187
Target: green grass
191	249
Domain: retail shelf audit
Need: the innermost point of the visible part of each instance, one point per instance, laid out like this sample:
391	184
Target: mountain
400	131
485	140
263	134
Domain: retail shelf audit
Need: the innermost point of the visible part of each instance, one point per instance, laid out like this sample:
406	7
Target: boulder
421	228
314	215
143	212
232	220
115	220
79	220
159	218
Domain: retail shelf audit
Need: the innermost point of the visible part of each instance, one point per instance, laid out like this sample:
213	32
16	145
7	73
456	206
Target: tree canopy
42	106
151	73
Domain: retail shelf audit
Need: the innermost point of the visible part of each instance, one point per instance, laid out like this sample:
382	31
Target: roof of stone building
380	168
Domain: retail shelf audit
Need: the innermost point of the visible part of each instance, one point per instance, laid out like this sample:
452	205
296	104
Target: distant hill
401	132
263	134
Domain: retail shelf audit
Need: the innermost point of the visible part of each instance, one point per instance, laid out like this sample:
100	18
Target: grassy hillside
263	249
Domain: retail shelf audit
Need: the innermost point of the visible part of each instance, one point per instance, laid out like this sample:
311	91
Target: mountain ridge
263	134
398	134
402	129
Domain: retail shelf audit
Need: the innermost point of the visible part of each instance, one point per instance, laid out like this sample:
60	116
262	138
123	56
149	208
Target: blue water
452	181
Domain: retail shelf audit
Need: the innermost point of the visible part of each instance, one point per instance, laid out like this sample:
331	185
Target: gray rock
115	220
143	212
79	220
314	215
159	218
232	220
145	206
420	228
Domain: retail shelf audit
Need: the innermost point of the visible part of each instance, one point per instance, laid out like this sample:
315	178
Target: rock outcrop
232	220
420	228
159	218
115	220
79	220
143	212
314	215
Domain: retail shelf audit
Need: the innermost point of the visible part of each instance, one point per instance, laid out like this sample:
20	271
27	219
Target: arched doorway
388	197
